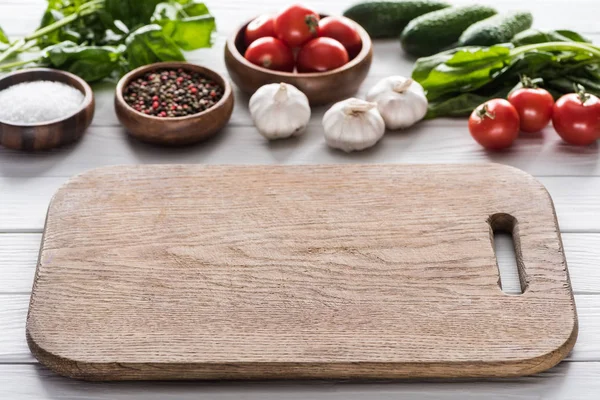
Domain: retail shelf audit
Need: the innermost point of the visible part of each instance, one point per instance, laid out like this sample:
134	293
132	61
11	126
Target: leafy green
457	81
132	13
92	63
189	25
99	39
148	45
533	36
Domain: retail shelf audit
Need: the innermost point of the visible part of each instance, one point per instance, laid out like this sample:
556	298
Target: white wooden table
572	175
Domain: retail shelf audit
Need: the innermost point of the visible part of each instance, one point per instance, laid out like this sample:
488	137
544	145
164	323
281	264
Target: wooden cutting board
345	271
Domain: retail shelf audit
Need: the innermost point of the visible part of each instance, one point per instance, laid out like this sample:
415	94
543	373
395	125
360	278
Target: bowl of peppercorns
173	103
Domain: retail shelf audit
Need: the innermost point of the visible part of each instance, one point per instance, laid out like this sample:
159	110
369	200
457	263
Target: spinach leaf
91	63
456	82
468	69
190	25
572	36
148	44
533	36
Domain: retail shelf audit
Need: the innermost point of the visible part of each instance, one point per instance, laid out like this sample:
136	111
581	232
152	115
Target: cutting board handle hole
509	260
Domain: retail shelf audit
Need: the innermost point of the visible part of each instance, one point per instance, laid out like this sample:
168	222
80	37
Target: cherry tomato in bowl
296	25
261	26
534	106
343	31
320	55
495	124
270	53
576	118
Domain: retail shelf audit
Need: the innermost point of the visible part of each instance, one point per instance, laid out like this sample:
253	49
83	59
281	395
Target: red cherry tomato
296	25
576	118
270	53
494	124
534	106
343	31
320	55
259	27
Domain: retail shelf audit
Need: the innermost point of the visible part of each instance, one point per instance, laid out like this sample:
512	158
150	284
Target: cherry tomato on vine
343	31
495	124
534	106
576	118
320	55
259	27
270	53
296	25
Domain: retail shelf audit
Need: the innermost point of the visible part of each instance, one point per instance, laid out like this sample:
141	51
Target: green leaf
132	13
467	70
3	37
424	65
534	36
92	63
458	106
573	36
478	56
462	105
189	24
190	33
148	45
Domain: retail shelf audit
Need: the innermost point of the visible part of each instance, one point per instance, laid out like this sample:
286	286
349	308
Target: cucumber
438	30
385	19
497	29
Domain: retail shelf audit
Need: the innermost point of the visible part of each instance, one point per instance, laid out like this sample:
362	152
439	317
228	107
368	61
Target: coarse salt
38	102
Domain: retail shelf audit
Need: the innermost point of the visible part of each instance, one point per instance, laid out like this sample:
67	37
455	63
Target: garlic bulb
401	101
353	124
279	110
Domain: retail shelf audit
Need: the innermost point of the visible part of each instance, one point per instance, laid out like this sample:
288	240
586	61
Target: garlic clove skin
279	111
400	101
353	125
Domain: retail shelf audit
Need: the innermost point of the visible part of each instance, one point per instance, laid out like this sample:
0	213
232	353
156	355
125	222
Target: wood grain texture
319	87
577	199
14	349
175	131
385	271
52	134
19	253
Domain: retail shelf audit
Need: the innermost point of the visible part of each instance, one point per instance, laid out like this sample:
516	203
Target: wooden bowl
319	87
174	131
51	134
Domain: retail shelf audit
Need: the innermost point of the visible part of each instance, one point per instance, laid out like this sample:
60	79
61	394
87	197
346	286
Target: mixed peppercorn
172	93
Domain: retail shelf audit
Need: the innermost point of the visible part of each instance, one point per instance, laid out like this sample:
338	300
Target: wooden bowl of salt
42	108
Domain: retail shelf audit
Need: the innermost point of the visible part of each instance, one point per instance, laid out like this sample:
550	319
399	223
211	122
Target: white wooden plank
576	381
18	259
19	252
23	202
13	312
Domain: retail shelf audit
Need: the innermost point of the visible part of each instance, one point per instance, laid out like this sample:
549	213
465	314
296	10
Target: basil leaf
148	45
132	13
189	25
92	63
